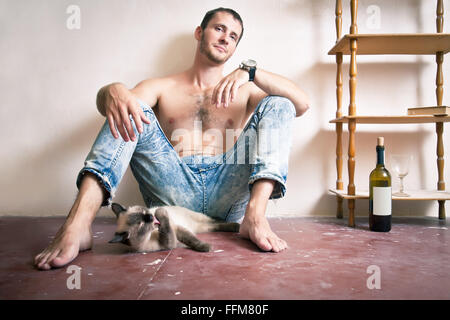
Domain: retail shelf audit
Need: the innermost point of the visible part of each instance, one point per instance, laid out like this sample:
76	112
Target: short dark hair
210	14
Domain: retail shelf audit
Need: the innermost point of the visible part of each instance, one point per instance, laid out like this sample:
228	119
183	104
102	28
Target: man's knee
282	106
148	111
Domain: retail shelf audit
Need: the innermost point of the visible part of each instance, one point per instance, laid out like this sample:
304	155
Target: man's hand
226	90
119	103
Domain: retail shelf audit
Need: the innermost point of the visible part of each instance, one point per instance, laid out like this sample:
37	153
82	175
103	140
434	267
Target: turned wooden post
440	16
352	112
439	78
439	95
339	161
440	164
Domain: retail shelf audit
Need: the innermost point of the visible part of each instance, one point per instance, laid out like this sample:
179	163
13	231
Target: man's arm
116	103
268	83
277	85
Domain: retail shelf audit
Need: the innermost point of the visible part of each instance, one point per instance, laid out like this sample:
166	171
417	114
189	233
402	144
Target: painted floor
325	260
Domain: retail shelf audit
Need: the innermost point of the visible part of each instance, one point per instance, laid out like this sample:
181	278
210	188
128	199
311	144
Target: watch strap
251	73
251	70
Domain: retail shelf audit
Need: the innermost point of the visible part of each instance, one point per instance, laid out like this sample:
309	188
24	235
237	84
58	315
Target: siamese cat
160	228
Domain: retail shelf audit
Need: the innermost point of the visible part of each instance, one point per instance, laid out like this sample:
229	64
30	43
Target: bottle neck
380	156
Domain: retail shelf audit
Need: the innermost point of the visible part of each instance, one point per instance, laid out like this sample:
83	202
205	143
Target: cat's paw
162	215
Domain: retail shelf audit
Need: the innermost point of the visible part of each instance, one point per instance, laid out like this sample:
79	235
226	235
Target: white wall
49	77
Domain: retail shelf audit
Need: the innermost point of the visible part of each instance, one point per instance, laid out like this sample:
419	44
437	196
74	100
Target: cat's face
132	221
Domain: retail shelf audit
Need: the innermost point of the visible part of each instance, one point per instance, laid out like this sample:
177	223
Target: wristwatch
249	66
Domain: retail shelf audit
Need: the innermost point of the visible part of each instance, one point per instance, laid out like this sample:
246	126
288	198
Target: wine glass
400	165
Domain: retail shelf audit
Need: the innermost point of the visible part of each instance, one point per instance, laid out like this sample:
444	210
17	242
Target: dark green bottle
380	194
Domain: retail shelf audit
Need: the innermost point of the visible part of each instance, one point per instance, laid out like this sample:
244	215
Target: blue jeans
218	186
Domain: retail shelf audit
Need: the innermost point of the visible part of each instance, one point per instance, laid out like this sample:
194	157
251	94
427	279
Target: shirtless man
150	118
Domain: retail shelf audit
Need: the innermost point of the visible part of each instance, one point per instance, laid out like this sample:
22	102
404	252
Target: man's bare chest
181	110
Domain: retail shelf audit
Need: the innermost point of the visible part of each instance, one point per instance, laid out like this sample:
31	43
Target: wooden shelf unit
414	195
354	44
410	43
392	119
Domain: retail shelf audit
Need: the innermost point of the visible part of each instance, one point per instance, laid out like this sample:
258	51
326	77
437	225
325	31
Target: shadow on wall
176	56
56	168
57	164
371	87
51	166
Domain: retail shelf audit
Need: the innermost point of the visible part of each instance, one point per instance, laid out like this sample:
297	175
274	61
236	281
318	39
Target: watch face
249	63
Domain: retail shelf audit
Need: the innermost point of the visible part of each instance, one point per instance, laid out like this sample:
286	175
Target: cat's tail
189	239
226	226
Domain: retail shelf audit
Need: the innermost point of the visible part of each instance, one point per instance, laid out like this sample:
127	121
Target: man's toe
42	264
264	244
63	258
275	245
42	260
37	258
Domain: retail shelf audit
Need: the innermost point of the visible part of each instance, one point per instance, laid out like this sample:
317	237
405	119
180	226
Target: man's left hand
226	90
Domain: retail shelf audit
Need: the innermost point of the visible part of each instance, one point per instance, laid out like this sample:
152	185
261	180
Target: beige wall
49	76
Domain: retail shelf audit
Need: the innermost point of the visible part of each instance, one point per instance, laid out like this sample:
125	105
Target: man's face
220	38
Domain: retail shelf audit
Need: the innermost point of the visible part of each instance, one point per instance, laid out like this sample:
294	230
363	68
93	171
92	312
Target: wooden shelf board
415	195
393	119
407	43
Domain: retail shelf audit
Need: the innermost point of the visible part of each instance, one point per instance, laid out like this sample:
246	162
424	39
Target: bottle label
382	201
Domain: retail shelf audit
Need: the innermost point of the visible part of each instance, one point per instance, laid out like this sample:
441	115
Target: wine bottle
380	194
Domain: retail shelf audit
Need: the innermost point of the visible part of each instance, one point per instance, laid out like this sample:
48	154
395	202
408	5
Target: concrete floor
325	260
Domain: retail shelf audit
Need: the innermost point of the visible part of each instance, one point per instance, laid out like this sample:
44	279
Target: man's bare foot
262	235
69	240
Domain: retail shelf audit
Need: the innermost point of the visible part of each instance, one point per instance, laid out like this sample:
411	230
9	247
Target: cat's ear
120	237
117	209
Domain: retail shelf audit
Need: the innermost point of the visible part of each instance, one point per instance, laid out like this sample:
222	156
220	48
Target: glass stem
401	184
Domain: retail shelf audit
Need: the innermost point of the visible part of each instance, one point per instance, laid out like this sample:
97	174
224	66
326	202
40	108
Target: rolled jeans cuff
102	179
279	189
